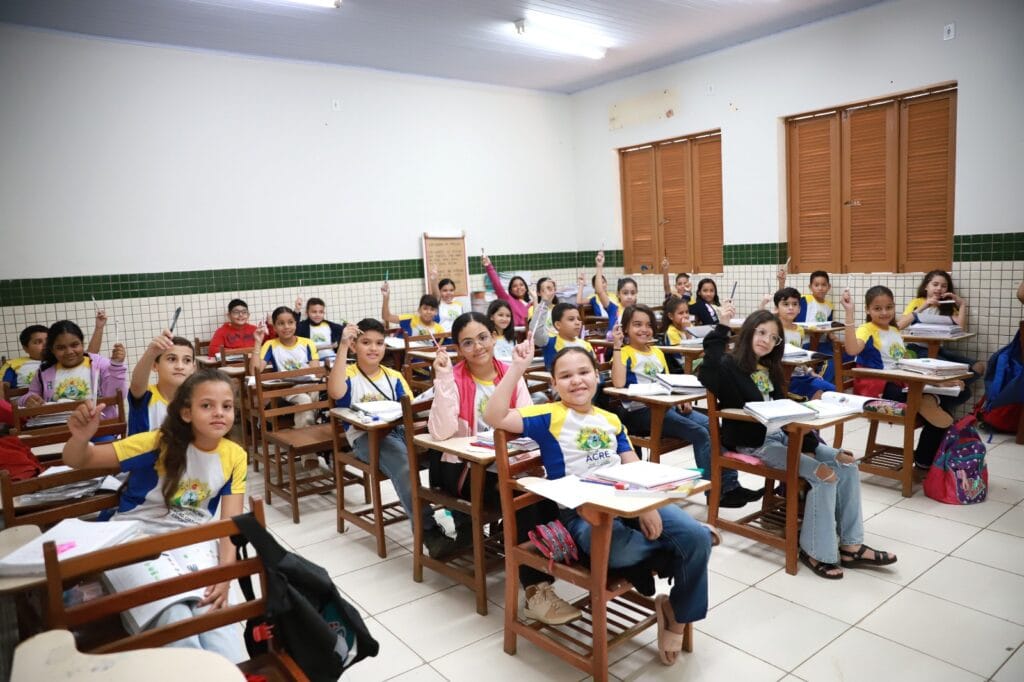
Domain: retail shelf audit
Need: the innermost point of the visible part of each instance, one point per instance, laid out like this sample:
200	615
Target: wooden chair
776	523
612	612
283	446
47	514
377	516
91	620
487	551
8	393
419	372
36	436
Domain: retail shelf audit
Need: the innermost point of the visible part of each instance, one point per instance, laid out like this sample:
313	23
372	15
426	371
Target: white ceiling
463	39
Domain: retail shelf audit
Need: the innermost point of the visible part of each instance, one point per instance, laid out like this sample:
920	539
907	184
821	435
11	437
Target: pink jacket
519	308
452	414
108	377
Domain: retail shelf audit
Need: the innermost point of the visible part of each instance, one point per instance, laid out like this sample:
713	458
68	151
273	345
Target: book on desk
72	537
933	367
929	329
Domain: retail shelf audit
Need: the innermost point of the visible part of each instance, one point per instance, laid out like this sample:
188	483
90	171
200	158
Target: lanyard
394	396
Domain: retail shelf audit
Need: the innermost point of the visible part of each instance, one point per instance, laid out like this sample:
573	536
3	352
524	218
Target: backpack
305	616
1004	388
17	459
959	474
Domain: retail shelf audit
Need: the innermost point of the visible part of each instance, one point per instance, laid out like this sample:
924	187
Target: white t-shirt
447	312
484	391
74	383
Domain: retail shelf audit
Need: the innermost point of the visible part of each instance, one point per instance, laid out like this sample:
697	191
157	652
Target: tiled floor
952	608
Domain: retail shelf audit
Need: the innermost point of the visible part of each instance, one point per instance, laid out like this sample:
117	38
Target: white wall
135	158
887	48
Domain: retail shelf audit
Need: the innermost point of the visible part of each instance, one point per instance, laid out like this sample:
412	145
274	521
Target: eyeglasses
239	311
483	340
765	334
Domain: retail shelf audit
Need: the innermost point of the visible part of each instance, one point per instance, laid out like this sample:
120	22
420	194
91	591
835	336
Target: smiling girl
517	296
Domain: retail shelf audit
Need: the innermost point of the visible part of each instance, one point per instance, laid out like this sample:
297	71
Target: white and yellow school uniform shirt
73	383
641	366
282	358
795	337
146	412
674	335
447	312
929	315
548	324
386	384
484	391
207	477
572	442
812	311
599	310
320	334
883	348
19	371
557	343
413	325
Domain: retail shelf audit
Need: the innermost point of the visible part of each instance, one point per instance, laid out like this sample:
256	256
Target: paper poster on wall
447	254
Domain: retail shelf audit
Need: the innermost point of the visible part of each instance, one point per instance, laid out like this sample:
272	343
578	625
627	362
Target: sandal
855	559
820	567
667	640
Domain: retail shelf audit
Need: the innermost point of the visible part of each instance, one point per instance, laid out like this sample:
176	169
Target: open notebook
72	537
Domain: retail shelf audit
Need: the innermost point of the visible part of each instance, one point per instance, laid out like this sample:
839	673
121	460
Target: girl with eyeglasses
832	532
461	394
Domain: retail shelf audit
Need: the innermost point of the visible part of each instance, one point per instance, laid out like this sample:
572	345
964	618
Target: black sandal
820	568
855	559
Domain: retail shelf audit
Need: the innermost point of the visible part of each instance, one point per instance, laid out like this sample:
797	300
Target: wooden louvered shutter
639	209
814	222
707	204
870	207
673	164
927	166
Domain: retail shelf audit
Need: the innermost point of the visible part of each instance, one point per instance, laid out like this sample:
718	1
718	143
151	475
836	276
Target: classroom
167	175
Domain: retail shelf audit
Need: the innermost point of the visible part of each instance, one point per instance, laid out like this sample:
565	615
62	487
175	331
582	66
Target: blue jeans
691	427
394	462
226	640
684	537
830	505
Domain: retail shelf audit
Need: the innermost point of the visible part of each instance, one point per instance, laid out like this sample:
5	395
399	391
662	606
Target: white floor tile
389	584
979	515
912	560
1005	489
424	673
994	549
965	638
710	660
1006	461
878	489
763	625
930	532
1011	522
349	551
976	586
487	659
721	588
869	508
848	600
745	560
359	607
441	623
393	659
859	656
313	527
1013	669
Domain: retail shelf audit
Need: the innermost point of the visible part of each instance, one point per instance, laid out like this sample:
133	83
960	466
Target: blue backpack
1004	388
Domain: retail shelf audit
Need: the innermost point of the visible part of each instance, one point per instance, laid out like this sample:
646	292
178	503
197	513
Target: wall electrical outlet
949	31
336	104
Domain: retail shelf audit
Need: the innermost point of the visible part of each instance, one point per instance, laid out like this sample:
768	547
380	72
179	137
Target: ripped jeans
832	514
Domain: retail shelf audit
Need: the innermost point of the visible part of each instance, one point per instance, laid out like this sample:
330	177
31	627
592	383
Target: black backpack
305	616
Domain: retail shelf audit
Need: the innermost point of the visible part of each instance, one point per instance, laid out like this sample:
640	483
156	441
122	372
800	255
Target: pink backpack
959	474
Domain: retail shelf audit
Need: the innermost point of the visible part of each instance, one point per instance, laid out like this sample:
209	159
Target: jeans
394	462
225	640
684	537
691	427
829	504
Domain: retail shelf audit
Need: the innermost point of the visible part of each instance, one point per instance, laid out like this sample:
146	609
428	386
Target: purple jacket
108	378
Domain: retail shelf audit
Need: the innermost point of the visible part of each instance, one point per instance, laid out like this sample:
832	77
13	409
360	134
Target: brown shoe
933	414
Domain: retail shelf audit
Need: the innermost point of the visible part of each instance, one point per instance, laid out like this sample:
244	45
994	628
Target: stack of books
683	384
949	331
775	414
933	367
646	478
72	537
791	352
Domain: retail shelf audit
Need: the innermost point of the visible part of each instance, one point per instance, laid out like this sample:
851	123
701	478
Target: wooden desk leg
657	422
688	364
477	474
600	549
909	422
933	348
792	496
293	485
378	508
417	518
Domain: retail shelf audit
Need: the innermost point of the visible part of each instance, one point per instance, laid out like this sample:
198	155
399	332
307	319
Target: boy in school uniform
803	381
366	380
236	332
420	323
174	359
318	329
567	322
20	371
815	306
683	288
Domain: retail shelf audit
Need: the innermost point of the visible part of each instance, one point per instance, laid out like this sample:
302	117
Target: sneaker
933	414
548	608
439	545
752	495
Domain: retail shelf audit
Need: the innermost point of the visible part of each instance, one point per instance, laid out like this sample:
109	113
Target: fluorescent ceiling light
314	3
559	34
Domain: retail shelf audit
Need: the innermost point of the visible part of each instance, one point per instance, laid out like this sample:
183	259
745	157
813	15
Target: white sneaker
548	608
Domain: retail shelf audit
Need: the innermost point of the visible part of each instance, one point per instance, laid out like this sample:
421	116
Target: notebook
933	366
684	384
73	537
645	475
776	413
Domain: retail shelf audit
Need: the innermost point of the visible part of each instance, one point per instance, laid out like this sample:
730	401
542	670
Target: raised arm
664	277
256	362
162	342
498	413
433	277
618	367
581	281
78	452
600	285
337	384
96	340
853	345
385	310
492	274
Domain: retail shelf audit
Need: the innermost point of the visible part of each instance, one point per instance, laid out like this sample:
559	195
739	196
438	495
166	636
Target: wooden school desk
890	461
10	589
488	552
689	353
935	342
659	405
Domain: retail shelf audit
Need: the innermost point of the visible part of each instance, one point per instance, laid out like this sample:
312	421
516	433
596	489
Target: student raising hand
522	354
599	259
728	312
84	421
442	362
485	262
618	336
385	289
349	334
